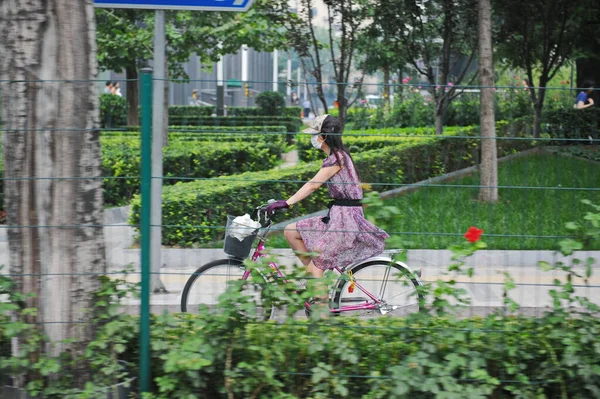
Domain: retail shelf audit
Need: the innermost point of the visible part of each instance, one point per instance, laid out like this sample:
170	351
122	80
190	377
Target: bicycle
351	293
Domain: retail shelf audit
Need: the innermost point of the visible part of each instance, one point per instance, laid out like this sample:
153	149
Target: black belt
340	202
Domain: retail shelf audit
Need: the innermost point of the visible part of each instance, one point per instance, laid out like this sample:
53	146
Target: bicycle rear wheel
390	282
207	283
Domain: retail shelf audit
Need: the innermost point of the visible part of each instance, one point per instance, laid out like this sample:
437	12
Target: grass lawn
538	195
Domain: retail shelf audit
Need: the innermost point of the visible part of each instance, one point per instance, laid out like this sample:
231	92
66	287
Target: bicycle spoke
384	282
395	297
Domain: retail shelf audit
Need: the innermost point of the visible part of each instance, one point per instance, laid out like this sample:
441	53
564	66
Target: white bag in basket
242	226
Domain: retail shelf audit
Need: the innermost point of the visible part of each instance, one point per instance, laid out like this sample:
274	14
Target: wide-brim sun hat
324	124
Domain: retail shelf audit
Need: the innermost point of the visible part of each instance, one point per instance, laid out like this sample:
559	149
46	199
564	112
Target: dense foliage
225	352
183	160
187	110
113	111
292	124
198	208
270	103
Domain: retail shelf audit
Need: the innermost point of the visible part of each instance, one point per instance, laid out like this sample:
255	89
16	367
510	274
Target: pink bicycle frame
259	252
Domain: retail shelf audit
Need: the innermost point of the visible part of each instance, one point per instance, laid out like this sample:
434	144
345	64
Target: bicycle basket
235	247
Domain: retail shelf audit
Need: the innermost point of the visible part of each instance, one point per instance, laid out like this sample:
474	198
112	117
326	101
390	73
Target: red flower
473	234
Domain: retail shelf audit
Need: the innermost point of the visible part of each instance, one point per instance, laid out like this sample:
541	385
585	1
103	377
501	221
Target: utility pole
275	70
245	85
220	88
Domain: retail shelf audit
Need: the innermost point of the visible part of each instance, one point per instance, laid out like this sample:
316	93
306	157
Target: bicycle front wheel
205	286
391	283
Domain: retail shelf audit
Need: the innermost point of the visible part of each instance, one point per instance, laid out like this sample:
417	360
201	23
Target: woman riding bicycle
344	236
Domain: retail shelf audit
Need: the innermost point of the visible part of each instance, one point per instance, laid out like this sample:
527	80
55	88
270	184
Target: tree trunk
321	96
53	162
489	163
537	117
341	99
133	115
386	86
439	117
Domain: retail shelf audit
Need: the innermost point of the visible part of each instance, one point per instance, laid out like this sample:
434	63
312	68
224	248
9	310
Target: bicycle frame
259	252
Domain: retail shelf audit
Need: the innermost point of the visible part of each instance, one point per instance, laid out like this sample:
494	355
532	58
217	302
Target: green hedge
365	140
194	212
292	124
220	133
570	123
498	356
192	111
113	111
121	161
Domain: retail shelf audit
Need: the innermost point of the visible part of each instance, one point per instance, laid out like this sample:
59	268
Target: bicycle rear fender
386	259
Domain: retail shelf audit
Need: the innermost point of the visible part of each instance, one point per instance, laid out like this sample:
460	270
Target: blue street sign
198	5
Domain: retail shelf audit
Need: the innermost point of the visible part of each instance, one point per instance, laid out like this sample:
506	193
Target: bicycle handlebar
262	215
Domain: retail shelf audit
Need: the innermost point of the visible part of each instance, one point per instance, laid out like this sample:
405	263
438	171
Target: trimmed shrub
292	124
181	161
219	133
570	123
113	111
365	140
192	111
198	209
270	103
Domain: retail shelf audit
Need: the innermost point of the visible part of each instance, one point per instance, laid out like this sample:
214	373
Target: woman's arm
316	182
582	105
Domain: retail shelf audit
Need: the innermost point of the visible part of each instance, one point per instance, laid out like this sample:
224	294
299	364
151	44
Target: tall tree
125	40
489	161
346	20
380	53
437	39
53	189
539	36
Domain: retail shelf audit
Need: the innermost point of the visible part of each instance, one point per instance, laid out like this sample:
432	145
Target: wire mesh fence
420	185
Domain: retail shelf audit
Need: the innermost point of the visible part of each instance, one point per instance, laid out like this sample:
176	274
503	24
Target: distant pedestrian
306	106
195	100
108	87
584	99
117	87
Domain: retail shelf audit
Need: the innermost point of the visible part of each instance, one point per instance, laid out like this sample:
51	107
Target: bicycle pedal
388	309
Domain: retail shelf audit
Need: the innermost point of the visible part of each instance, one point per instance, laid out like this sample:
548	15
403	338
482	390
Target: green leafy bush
292	124
113	111
270	103
182	160
413	357
570	123
223	352
191	111
365	140
217	133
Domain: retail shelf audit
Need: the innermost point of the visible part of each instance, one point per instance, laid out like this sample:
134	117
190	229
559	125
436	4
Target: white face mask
314	140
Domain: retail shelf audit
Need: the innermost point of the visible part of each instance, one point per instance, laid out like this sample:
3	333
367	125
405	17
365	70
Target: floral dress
348	237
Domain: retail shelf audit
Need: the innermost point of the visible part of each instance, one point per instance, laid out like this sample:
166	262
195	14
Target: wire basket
233	246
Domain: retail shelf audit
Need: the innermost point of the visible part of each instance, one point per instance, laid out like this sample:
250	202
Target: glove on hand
279	204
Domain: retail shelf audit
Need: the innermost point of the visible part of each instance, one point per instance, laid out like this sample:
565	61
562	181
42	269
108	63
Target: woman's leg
295	240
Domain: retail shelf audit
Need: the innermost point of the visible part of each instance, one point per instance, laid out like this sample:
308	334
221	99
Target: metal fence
433	181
